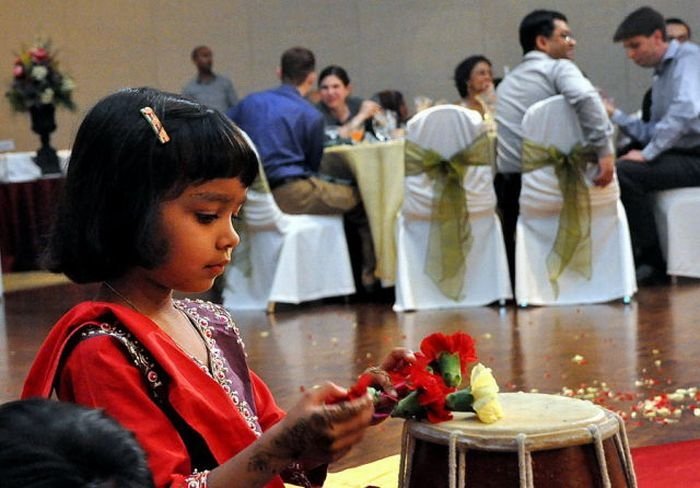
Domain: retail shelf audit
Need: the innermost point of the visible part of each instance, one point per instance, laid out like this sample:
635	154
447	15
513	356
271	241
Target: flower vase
44	123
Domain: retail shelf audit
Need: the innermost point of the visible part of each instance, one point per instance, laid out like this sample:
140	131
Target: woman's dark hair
537	23
120	173
392	100
50	444
463	72
336	70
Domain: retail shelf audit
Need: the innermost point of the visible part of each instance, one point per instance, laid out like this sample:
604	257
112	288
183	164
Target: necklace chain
125	299
183	314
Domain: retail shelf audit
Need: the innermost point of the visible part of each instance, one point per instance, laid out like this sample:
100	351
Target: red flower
449	355
431	395
458	343
359	389
39	54
18	70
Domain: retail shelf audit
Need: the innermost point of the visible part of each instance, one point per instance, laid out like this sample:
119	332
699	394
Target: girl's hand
397	360
314	432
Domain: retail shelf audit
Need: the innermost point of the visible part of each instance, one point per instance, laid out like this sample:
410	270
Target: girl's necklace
122	297
199	332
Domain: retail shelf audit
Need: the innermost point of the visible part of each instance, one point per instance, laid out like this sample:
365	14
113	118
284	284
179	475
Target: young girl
153	185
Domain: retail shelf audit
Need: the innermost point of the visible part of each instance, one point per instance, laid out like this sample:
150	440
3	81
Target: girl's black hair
119	173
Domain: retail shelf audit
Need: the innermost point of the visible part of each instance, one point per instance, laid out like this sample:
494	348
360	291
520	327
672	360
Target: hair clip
155	124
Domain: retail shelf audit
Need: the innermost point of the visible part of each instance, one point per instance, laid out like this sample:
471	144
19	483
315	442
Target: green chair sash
572	245
260	183
450	238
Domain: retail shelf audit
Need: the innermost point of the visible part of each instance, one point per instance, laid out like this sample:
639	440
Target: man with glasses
546	70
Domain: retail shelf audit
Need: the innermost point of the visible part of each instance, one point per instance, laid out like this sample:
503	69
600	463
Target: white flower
68	85
47	96
39	72
485	390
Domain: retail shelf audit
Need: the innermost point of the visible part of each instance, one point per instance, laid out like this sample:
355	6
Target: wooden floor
620	354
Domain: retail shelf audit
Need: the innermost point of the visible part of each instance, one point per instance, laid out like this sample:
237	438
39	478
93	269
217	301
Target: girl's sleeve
269	413
99	373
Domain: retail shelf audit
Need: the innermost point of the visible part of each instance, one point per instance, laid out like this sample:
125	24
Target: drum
543	441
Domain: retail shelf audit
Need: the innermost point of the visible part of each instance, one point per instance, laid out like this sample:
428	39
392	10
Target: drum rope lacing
406	447
600	454
457	471
623	449
524	462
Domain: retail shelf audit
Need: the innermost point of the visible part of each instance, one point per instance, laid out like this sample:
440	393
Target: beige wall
410	45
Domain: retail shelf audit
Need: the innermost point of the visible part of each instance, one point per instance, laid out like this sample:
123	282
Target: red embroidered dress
189	417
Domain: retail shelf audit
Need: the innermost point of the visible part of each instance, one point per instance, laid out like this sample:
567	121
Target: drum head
545	421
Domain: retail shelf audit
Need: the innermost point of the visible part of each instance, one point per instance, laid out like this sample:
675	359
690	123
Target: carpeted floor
668	465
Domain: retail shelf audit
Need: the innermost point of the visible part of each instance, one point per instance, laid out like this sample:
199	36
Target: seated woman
338	107
393	100
474	82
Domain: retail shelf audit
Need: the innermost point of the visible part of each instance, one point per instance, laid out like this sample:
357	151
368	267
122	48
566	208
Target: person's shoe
648	275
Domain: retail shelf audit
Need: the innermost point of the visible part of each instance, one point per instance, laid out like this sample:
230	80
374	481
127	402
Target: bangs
203	147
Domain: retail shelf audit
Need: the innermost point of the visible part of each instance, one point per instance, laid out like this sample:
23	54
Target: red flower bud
38	54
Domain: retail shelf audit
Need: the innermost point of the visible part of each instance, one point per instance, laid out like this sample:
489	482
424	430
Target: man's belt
288	179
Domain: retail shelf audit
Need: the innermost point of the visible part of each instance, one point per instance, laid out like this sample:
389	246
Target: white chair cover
286	258
554	122
677	215
448	129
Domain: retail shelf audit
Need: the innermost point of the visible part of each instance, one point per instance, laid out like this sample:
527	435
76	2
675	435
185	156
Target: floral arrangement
38	81
428	388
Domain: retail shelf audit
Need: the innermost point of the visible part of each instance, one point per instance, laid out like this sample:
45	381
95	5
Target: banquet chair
677	214
450	249
573	248
285	258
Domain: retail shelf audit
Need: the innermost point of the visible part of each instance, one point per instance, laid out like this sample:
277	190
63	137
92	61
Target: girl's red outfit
189	417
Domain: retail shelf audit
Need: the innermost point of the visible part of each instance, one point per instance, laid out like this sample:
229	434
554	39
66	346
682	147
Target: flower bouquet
428	387
38	81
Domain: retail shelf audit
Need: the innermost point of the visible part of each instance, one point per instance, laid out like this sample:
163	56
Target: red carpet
668	465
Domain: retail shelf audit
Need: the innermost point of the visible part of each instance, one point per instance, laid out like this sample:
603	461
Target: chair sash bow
572	245
450	236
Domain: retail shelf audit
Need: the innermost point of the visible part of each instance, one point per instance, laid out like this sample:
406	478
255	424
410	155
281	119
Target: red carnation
449	355
431	395
39	54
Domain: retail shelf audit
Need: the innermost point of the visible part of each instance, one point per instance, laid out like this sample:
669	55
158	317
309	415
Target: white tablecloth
16	167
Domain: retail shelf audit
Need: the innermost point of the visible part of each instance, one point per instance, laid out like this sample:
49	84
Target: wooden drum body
543	441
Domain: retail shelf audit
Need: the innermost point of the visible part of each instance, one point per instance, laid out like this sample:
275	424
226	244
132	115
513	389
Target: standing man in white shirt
208	88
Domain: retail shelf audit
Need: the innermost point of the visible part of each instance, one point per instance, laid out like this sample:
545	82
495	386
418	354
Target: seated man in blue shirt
670	157
288	132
